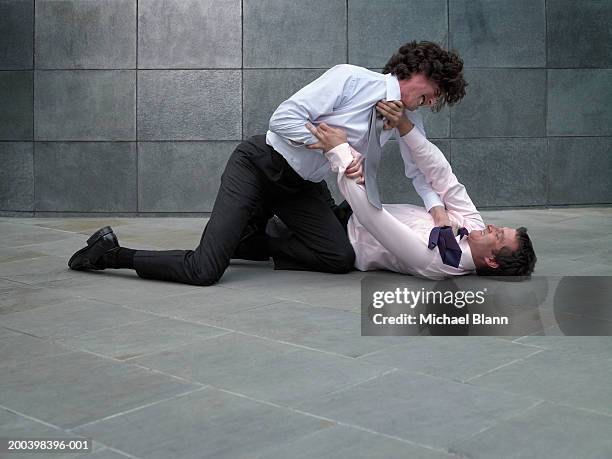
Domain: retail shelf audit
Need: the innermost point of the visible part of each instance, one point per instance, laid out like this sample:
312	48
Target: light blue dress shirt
342	97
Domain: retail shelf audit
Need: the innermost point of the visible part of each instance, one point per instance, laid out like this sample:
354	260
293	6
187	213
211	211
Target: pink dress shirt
396	237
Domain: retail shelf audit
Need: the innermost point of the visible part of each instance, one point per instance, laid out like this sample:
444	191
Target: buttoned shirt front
342	97
396	238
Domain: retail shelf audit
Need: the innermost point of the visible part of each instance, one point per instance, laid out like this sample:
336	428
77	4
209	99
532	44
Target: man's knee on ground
204	280
342	261
202	277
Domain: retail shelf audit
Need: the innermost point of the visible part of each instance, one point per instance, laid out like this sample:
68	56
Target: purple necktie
444	239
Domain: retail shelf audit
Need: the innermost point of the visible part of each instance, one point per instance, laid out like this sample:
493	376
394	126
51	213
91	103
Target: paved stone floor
271	364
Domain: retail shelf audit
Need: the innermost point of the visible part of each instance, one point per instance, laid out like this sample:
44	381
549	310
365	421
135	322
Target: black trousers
256	177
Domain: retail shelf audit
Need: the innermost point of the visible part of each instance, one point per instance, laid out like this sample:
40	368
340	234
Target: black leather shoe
98	244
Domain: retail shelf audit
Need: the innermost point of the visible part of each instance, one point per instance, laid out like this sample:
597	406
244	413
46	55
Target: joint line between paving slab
92	332
173	348
516	341
40	421
494	424
333	353
346	424
390	370
152	370
31	418
24	333
17	282
46	228
442	378
318	306
301	346
75	348
206	386
138	408
57	340
579	408
358	383
118	451
502	366
184	319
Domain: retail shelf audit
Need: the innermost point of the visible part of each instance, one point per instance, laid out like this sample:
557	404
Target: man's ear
491	263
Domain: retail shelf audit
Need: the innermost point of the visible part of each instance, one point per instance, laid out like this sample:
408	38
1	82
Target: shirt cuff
431	199
340	156
414	138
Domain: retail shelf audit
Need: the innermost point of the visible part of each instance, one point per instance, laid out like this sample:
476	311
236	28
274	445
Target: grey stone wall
133	107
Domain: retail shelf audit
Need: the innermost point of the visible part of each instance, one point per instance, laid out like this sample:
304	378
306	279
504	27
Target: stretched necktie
444	239
372	158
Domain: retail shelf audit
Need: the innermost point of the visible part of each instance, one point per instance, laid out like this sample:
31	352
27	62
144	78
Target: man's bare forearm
404	126
440	216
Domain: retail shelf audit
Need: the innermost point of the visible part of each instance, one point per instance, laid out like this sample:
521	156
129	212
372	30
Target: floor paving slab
423	409
7	285
62	248
342	442
117	286
72	317
313	326
261	278
451	357
544	431
262	369
15	426
25	348
205	423
565	324
79	225
135	339
290	374
598	347
104	454
17	235
8	254
68	390
37	270
345	297
203	303
571	380
7	333
22	297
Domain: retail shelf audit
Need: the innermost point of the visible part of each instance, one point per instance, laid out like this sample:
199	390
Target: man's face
492	239
417	91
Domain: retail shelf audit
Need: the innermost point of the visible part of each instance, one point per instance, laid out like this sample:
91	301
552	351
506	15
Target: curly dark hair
438	65
519	263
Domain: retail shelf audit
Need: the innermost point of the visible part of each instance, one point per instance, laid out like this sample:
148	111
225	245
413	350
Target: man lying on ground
403	238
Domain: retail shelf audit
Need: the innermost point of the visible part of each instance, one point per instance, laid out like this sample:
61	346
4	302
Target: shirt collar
467	261
393	88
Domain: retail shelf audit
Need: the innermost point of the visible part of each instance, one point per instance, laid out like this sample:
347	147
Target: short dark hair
437	64
518	263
